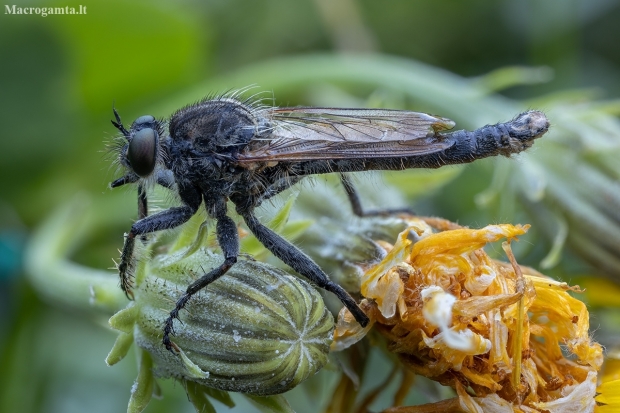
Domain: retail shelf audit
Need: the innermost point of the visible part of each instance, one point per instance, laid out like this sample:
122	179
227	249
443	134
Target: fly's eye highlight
142	151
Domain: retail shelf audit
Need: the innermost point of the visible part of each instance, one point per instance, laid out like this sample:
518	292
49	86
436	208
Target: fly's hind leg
356	205
228	240
280	185
301	263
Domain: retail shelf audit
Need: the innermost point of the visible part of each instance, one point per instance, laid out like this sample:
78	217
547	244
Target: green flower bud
256	330
346	249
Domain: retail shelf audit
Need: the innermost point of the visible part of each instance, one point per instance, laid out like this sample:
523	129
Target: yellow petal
567	317
459	241
383	285
611	369
609	396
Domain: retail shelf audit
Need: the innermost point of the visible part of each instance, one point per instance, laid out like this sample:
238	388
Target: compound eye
142	121
142	152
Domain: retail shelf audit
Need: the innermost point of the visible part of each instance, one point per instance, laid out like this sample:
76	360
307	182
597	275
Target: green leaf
510	76
142	390
414	183
59	279
250	245
151	45
270	404
292	230
193	370
193	232
119	350
219	395
295	229
197	397
157	393
439	91
281	218
125	319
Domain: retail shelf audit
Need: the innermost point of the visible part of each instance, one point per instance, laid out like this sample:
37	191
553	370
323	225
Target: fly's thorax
222	126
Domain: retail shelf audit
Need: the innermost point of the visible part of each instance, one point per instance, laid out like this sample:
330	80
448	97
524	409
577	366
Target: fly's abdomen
462	147
503	138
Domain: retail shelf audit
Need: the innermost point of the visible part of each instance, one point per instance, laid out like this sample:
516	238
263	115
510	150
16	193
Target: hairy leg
170	218
301	263
356	205
228	240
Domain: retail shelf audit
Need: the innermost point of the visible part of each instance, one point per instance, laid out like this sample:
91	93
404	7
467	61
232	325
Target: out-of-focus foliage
60	76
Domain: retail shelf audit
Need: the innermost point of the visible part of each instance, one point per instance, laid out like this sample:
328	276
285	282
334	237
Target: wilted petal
383	285
578	398
348	331
437	306
466	318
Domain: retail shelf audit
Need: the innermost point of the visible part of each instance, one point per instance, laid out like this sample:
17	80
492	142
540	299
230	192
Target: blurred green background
476	62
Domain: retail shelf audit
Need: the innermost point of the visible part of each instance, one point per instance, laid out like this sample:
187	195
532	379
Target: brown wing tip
442	124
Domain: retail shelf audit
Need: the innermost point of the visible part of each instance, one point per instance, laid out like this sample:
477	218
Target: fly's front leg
143	203
228	240
170	218
301	263
143	206
356	205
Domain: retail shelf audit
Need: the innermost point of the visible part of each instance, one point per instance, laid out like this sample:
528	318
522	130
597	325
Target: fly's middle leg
356	204
228	240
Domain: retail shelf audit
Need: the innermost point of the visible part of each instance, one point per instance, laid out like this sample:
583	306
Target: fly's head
142	152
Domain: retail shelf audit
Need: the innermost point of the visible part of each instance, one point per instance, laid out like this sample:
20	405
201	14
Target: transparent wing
327	133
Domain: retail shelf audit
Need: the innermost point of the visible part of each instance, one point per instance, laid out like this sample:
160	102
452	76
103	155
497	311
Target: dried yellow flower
506	337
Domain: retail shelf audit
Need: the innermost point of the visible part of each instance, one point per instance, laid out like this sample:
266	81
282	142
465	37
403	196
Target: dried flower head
505	337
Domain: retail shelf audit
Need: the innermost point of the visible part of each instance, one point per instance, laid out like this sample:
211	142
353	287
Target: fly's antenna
119	124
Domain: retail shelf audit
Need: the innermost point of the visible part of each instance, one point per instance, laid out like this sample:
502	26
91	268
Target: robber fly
225	149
